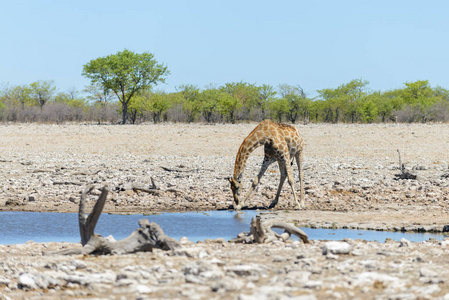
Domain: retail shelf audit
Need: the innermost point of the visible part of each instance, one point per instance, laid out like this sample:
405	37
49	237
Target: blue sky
314	44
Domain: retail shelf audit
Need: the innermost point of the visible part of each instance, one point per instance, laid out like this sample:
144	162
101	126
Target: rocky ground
351	178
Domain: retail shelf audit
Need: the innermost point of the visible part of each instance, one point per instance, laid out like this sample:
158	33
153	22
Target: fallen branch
155	190
175	191
152	191
147	237
85	173
180	168
67	183
261	232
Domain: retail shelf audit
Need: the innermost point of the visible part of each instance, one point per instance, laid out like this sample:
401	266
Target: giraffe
282	143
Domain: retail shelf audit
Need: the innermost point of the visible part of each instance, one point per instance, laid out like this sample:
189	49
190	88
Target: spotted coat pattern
282	143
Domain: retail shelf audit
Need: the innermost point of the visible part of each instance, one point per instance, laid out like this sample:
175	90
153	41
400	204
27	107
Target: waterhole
20	227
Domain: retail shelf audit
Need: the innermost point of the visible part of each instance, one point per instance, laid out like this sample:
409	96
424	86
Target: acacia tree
190	102
42	91
247	94
209	100
266	94
125	74
296	99
278	108
97	94
343	99
21	95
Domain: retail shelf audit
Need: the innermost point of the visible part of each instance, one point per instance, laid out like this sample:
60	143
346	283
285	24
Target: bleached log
147	237
261	232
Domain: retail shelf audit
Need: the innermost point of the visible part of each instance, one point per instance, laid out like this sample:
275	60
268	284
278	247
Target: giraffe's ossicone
282	143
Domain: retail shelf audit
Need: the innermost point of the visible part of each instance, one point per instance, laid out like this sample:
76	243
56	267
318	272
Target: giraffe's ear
229	178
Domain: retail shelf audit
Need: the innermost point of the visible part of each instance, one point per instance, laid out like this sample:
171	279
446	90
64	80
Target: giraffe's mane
282	125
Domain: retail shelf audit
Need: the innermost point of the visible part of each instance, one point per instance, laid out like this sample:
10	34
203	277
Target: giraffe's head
235	187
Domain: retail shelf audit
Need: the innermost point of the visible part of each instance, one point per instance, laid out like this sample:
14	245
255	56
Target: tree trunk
124	112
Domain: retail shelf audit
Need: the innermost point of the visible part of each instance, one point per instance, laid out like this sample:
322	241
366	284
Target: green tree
343	100
209	100
228	106
137	106
247	94
266	95
21	95
42	91
368	111
125	74
418	97
278	108
98	94
158	103
298	103
354	96
190	101
2	111
316	110
416	92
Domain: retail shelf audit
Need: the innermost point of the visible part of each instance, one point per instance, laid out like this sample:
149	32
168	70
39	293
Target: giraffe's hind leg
299	161
283	170
291	182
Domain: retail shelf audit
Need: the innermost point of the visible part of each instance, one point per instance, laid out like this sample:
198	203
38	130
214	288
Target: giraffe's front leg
268	160
281	183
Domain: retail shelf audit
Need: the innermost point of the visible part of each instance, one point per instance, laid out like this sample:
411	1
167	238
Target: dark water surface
20	227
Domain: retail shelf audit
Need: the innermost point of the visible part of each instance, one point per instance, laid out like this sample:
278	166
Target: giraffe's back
279	134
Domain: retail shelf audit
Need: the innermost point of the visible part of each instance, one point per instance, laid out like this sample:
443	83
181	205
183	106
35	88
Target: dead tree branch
155	190
261	232
152	191
147	237
405	174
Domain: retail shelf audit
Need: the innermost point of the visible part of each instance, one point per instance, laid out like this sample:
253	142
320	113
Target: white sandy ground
350	181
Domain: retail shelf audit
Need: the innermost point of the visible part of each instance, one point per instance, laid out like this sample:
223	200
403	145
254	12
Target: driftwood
261	232
154	189
405	174
156	192
147	237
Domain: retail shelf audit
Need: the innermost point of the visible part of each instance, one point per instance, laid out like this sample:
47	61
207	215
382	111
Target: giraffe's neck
253	141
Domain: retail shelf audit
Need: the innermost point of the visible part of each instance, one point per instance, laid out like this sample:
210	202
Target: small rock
36	281
4	281
336	247
426	272
246	270
227	284
404	243
78	264
185	241
313	284
144	289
